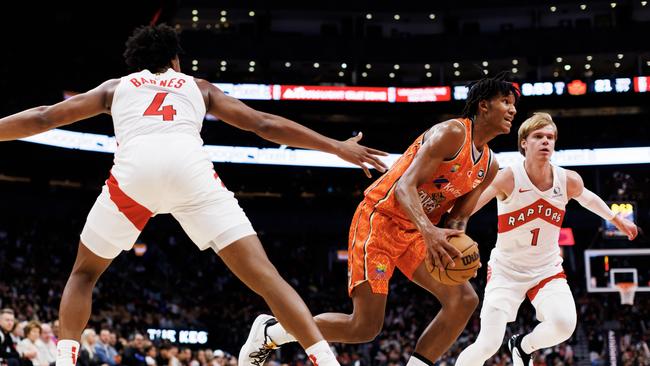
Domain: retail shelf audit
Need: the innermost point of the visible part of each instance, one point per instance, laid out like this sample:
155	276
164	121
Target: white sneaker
258	346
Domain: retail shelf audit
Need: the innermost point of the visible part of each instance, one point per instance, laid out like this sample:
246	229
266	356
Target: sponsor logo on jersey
431	202
450	188
481	173
438	182
455	168
521	190
380	271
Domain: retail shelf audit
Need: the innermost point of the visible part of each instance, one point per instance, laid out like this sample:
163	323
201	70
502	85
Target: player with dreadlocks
397	225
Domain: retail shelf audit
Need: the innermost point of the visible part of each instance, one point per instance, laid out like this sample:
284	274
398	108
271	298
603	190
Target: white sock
320	354
279	335
66	352
417	359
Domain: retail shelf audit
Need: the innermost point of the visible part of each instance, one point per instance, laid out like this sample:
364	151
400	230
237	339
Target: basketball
466	264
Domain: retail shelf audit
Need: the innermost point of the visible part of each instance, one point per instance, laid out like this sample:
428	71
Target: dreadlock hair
486	89
151	48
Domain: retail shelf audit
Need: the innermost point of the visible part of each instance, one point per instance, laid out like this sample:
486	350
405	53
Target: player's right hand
351	151
439	250
626	226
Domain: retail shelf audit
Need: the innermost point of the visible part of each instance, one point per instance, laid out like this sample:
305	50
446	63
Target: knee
565	324
84	276
364	329
463	302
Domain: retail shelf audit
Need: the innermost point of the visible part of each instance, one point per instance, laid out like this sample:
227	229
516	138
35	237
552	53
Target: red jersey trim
533	291
135	212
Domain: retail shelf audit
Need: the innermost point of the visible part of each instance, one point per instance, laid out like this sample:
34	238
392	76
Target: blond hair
535	122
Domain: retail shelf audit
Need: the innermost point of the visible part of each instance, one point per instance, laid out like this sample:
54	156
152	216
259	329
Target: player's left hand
626	226
351	151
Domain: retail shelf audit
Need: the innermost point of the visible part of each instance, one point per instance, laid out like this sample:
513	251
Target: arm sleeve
595	204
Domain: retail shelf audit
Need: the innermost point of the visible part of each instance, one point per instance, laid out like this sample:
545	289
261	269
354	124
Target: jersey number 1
535	233
167	112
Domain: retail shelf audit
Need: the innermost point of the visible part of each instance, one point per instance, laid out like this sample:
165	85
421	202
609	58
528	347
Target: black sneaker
519	357
258	346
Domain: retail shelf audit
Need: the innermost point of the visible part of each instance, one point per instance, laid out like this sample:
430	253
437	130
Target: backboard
604	268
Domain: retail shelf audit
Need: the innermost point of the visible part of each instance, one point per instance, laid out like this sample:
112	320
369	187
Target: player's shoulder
574	183
110	84
571	174
449	130
207	87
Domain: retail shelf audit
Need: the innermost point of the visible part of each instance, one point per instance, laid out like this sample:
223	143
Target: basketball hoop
627	290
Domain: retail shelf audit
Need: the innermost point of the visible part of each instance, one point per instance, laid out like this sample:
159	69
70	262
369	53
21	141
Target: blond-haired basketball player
161	167
526	261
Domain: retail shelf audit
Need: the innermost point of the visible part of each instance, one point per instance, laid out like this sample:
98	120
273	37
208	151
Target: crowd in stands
173	285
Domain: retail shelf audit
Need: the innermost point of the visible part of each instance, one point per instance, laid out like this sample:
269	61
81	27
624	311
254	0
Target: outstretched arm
286	132
40	119
595	204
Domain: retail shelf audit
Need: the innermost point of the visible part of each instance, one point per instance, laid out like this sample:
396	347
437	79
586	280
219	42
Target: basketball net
627	290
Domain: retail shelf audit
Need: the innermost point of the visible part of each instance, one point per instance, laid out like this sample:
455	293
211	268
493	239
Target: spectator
18	333
46	345
150	352
87	354
185	356
27	346
134	354
105	352
219	358
173	356
8	350
201	359
164	354
55	331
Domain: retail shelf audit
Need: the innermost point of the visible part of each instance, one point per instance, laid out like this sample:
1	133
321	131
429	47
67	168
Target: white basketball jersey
146	104
529	224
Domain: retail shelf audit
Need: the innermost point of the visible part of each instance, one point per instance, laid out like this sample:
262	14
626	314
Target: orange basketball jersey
454	178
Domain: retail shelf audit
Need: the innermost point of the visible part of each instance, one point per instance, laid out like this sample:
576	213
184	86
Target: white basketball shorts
166	173
507	289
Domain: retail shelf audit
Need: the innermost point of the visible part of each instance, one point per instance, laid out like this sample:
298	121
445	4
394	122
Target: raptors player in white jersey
526	261
160	167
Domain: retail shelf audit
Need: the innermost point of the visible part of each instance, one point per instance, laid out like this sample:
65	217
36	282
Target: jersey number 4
535	233
167	112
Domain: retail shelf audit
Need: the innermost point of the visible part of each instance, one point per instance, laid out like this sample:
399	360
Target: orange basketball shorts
376	245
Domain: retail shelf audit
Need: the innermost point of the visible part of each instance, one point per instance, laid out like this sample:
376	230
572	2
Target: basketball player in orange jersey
526	261
398	225
161	167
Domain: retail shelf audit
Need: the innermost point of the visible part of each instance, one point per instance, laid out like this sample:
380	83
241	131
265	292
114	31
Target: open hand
351	151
